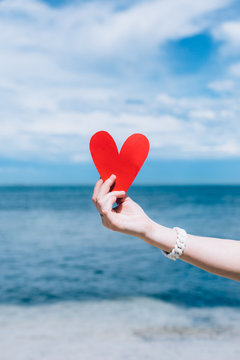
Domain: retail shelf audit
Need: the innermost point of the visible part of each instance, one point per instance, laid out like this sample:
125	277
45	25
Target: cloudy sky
169	69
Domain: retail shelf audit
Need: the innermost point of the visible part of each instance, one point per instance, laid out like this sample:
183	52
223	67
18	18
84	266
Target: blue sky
167	69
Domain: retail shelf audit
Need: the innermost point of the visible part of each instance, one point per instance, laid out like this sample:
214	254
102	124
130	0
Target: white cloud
221	85
67	72
203	114
210	126
190	133
235	69
228	33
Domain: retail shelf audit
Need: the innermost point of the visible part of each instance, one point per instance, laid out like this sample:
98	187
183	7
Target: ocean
72	289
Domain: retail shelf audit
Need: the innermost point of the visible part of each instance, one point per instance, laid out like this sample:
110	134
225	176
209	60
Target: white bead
179	246
178	251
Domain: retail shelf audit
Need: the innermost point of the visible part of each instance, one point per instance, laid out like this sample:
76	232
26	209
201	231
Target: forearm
218	256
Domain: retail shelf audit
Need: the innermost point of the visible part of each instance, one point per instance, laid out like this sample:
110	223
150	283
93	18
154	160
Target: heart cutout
126	164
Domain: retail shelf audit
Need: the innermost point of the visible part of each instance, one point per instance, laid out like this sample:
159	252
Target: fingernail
113	175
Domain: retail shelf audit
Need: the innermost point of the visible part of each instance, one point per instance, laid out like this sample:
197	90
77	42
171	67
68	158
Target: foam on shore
136	328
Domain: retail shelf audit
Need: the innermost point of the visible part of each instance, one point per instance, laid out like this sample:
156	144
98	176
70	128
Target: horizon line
132	186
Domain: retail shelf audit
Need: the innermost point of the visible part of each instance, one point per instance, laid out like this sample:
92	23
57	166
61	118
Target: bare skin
218	256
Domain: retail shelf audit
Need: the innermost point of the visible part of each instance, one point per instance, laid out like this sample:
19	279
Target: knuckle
93	199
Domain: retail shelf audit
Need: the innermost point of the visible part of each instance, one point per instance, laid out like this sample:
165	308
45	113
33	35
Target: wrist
160	236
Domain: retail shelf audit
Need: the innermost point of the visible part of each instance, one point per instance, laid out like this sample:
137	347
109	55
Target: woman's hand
218	256
128	217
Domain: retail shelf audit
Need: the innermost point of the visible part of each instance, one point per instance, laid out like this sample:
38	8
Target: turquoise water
53	247
71	289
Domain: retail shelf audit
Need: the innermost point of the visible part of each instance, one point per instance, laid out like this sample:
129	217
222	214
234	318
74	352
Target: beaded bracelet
179	246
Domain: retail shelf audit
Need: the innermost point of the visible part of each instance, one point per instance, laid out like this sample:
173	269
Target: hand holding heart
128	217
219	256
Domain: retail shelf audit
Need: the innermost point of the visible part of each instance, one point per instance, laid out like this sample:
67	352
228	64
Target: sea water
71	289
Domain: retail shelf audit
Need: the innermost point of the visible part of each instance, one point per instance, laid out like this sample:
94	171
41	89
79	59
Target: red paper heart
126	164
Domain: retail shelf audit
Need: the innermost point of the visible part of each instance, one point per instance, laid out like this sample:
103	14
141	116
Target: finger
105	188
96	189
102	203
118	194
110	199
108	216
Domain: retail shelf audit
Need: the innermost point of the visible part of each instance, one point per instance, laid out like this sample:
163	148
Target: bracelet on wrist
179	247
